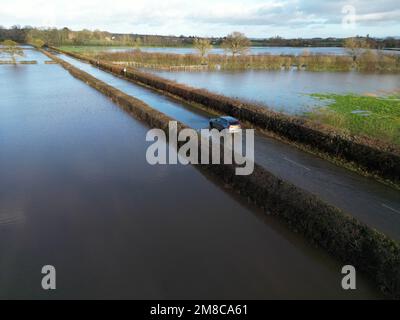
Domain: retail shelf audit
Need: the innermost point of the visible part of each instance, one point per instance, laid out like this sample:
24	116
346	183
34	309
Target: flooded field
76	192
29	55
252	50
286	91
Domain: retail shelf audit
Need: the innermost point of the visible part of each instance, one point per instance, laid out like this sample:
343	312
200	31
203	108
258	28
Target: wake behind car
231	124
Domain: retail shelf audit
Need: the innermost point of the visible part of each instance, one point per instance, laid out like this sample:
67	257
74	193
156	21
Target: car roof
230	119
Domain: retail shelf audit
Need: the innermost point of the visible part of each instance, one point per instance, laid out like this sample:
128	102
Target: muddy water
76	192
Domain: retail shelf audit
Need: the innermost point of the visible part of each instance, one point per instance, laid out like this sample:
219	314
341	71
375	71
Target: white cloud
255	17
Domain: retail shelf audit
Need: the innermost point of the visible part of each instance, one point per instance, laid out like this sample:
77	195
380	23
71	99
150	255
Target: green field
376	117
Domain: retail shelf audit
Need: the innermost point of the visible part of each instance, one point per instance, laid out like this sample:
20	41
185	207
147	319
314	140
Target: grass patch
376	117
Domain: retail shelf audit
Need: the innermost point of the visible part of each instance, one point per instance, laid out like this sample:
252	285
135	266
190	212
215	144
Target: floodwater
286	91
252	50
77	193
29	54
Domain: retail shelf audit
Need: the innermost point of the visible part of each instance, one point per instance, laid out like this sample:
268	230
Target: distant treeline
65	36
374	43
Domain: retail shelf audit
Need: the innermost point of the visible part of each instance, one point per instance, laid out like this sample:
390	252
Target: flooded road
76	192
365	198
286	91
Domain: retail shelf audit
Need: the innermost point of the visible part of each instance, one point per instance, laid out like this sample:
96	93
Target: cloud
296	13
208	17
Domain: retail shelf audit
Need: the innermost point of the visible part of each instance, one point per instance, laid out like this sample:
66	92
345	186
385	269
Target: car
226	123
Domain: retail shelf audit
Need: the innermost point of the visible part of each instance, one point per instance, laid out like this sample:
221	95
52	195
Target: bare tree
127	40
203	46
236	43
355	47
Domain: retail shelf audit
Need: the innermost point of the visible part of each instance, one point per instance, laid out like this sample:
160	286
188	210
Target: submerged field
377	117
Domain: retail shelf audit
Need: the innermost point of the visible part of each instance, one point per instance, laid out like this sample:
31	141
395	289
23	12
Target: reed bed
369	61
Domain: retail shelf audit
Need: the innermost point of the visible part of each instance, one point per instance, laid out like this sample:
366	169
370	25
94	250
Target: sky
256	18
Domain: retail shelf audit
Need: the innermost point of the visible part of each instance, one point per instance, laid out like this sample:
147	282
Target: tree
236	43
83	37
64	35
38	43
202	46
355	47
11	48
127	40
137	43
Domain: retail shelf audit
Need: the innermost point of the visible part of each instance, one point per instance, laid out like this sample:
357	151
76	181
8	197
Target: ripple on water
11	217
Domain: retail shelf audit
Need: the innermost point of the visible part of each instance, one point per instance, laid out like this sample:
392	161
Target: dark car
229	123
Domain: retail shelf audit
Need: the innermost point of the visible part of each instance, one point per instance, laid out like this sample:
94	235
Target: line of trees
65	36
235	43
